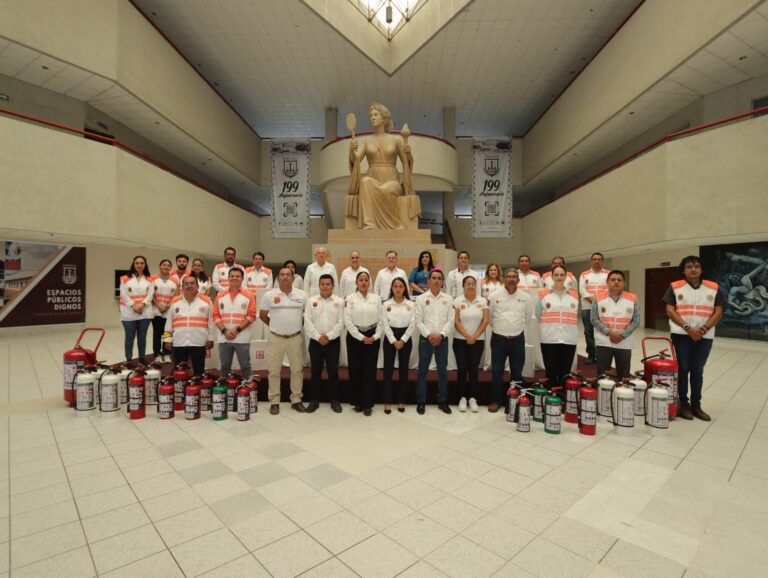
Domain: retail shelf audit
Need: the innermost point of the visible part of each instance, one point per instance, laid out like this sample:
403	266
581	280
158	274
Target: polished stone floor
389	495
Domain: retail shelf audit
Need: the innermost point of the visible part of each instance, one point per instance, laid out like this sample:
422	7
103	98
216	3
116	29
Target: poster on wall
41	284
492	187
741	270
290	189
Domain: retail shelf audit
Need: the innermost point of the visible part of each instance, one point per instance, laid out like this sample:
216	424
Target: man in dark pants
323	321
694	307
510	311
189	326
591	282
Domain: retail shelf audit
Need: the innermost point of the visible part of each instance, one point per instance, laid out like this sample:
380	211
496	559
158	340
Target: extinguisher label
70	369
604	408
191	407
666	379
552	419
84	397
151	385
588	411
219	404
205	399
524	421
178	390
659	417
243	409
511	409
165	405
639	407
135	398
625	415
109	401
123	390
254	401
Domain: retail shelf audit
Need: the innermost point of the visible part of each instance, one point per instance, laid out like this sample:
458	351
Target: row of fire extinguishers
108	390
586	400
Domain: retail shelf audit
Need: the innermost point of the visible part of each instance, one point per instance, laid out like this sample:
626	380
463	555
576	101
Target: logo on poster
492	166
290	168
69	276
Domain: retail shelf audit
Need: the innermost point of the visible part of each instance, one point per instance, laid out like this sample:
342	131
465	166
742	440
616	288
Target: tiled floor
344	495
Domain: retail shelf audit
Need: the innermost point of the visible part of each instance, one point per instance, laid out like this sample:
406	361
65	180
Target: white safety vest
615	315
559	317
570	281
591	283
189	324
261	279
163	291
220	278
695	306
232	311
135	290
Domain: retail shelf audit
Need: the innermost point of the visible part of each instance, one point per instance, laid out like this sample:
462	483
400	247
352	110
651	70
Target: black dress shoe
401	409
420	407
444	407
387	411
336	406
357	409
312	407
685	411
367	412
699	413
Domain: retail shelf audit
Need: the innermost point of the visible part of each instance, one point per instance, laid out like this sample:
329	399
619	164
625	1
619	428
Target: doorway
657	281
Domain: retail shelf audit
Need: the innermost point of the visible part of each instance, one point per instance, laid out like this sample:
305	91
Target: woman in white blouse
492	280
136	311
398	316
362	318
471	319
203	281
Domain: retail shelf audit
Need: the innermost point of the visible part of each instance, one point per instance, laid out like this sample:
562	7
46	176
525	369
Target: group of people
399	312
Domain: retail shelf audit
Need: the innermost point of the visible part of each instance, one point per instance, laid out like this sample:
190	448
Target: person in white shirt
189	328
321	266
234	312
282	309
164	288
257	276
298	280
220	279
323	322
399	318
510	311
571	284
529	279
591	282
203	281
470	320
557	310
492	280
136	311
454	280
362	317
384	276
348	279
434	320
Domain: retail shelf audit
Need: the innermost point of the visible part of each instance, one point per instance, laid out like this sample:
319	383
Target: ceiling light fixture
388	16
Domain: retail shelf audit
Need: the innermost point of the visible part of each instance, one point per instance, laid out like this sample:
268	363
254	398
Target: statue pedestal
374	244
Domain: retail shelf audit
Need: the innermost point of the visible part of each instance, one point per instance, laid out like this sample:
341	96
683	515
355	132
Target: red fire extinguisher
233	383
192	400
524	413
243	403
181	375
253	386
165	395
513	396
77	358
661	371
206	387
136	400
571	383
587	409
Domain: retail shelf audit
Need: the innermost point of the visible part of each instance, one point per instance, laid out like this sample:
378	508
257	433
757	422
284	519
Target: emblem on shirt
129	289
428	302
335	305
629	310
463	307
389	308
203	309
314	303
221	305
276	299
479	305
602	309
710	298
680	297
176	310
573	306
549	305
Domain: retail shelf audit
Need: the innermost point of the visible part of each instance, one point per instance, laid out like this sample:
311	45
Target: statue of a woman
378	191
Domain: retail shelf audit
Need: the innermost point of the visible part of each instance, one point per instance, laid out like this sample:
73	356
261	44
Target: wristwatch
686	327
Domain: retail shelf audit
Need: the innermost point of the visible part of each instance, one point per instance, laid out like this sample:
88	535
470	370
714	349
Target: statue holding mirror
377	199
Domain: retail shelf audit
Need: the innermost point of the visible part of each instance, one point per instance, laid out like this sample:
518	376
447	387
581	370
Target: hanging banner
41	284
290	189
492	187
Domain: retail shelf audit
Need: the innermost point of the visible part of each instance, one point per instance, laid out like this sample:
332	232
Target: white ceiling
499	62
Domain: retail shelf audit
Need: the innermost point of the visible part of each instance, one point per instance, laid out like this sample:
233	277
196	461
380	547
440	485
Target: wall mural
741	270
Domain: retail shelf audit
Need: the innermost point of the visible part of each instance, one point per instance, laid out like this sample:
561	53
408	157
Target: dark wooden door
657	281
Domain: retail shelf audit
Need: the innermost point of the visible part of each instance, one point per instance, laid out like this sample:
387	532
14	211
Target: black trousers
194	354
467	365
362	370
558	359
158	327
623	358
403	359
327	355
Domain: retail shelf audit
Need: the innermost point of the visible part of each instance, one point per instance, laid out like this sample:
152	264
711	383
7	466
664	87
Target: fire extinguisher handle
656	338
98	343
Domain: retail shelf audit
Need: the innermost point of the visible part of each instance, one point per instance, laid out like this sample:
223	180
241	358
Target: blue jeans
501	350
441	360
691	358
589	332
136	330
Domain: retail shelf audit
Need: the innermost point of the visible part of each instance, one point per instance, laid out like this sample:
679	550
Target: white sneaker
473	405
463	404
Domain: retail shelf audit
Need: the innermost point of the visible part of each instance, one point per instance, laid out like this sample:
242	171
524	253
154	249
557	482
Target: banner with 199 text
290	189
492	187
